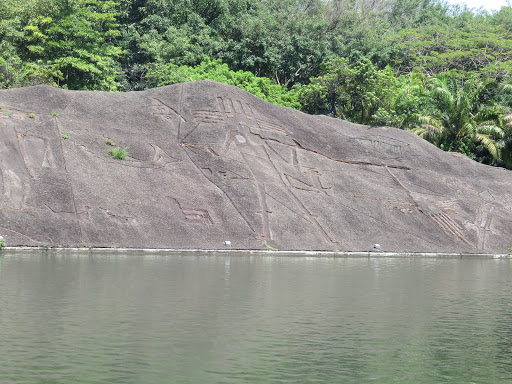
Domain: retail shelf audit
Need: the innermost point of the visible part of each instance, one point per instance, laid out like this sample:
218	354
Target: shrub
119	153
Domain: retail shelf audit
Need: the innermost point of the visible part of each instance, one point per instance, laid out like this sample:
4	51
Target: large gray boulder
210	163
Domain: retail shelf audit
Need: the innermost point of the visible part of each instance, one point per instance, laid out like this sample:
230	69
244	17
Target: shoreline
262	252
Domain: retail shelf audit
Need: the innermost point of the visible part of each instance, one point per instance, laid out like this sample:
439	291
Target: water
68	318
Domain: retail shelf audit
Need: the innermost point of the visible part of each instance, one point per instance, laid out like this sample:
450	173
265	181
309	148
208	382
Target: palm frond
506	87
428	132
490	130
491	145
508	119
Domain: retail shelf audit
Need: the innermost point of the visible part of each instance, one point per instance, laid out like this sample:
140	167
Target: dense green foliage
165	74
443	72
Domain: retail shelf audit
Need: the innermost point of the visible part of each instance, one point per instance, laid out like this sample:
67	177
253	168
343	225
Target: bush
119	153
165	74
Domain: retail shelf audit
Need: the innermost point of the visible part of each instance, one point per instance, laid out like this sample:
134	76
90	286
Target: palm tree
459	121
506	152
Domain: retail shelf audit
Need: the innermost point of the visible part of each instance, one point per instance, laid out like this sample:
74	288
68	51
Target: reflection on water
68	318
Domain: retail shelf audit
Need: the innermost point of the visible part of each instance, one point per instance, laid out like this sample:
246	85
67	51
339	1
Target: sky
487	4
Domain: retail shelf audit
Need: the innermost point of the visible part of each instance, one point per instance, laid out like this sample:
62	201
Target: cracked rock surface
208	163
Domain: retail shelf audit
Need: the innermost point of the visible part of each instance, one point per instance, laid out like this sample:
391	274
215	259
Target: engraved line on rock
193	215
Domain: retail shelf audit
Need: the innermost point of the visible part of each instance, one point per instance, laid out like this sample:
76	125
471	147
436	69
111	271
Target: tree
165	74
468	43
77	41
359	92
284	40
460	120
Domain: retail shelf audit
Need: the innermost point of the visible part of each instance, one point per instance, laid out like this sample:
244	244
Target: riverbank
234	252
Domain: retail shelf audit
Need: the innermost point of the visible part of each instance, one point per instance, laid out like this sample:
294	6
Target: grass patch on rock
119	153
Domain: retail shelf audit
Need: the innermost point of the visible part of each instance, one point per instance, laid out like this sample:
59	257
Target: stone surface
209	163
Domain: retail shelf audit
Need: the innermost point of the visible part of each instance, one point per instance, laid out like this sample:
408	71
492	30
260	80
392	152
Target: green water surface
119	318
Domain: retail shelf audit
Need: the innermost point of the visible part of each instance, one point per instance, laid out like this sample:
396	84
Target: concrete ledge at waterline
257	252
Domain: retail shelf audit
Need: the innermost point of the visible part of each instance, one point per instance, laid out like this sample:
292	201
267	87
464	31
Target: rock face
210	163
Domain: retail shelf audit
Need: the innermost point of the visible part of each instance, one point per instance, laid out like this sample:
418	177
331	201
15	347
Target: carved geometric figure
483	224
165	111
271	127
384	144
226	107
280	155
36	153
193	215
317	182
82	215
446	223
435	212
237	107
162	112
242	130
161	158
300	184
442	219
211	117
447	206
14	188
403	206
248	111
35	238
118	218
295	158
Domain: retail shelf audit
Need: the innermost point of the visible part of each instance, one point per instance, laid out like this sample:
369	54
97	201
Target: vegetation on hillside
441	71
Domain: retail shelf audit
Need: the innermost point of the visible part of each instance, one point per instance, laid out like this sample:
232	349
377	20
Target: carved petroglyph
158	157
483	219
384	144
36	152
161	158
311	182
82	215
22	156
439	212
351	162
289	157
191	215
14	188
256	154
165	111
294	182
271	127
210	117
403	206
15	175
40	239
169	114
441	218
118	218
483	224
315	176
